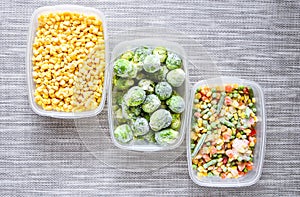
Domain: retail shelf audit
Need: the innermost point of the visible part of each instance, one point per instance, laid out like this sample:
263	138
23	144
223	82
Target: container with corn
66	61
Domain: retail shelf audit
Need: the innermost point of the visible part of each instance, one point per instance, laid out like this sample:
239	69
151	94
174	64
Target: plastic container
150	42
31	35
252	176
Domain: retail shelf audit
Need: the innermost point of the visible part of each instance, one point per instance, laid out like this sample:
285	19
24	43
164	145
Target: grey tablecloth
256	40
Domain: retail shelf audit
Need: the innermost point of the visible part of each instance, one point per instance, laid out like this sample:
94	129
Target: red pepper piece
252	133
246	90
225	159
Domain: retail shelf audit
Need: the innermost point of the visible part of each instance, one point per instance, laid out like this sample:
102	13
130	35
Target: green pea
209	105
196	100
245	170
214	95
254	110
194	166
209	132
209	114
193	146
207	143
208	127
241	87
250	104
213	90
210	174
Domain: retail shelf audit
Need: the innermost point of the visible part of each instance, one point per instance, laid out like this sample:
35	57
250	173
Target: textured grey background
256	40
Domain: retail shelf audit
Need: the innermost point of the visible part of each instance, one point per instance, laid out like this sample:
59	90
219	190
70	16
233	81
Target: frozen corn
68	62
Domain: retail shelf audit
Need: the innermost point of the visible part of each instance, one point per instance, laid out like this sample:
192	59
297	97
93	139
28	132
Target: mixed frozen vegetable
223	132
146	104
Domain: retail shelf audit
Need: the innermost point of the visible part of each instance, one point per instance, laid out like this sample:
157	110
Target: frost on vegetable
160	119
123	68
128	55
176	104
151	63
123	133
140	126
135	96
167	136
123	83
176	123
147	85
173	61
161	52
141	53
163	90
176	77
151	103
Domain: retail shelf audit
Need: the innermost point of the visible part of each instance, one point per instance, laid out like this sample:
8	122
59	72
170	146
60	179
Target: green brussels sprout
134	96
119	116
140	126
123	133
118	97
140	54
140	76
176	123
173	61
150	137
161	74
167	136
161	52
123	83
130	113
123	68
128	55
176	104
160	119
147	85
151	63
176	77
163	90
151	103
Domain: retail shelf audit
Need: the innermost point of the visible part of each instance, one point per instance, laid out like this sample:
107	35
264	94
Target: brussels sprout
123	68
123	133
118	97
140	76
140	126
119	116
176	104
135	96
161	52
167	136
161	74
163	90
130	113
141	53
173	61
176	123
151	63
147	85
128	55
123	83
151	103
160	119
176	77
150	137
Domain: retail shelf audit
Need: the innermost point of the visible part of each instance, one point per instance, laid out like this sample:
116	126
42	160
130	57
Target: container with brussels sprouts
148	93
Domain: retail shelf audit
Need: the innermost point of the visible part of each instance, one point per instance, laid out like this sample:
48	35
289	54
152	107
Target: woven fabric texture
257	40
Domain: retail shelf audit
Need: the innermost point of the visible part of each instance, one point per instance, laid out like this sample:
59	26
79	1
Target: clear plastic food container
258	156
150	42
31	35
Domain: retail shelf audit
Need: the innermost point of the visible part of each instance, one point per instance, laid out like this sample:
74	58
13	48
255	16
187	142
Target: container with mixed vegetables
223	134
146	100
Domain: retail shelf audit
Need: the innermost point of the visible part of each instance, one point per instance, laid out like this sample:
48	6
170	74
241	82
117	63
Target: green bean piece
221	101
212	162
199	145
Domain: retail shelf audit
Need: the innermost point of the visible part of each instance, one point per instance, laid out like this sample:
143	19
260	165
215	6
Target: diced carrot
206	158
249	166
213	150
228	88
223	175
